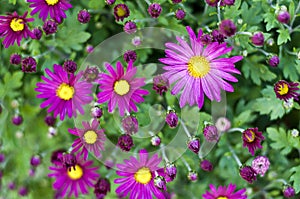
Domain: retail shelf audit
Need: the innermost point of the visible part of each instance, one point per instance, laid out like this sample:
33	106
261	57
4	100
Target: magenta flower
196	69
286	90
137	177
251	139
64	94
261	165
223	192
78	177
14	28
121	88
55	8
90	139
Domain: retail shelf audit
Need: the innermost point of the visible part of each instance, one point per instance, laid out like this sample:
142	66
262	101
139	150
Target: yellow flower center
90	137
143	175
121	12
52	2
198	66
76	173
121	87
251	137
17	24
283	89
222	197
65	92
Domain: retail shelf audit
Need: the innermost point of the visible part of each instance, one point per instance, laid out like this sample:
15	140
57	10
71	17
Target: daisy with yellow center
198	66
51	2
17	24
224	192
251	139
75	172
143	175
286	90
121	12
65	91
121	87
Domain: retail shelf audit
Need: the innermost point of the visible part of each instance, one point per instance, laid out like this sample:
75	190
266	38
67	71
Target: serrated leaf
12	1
296	178
283	37
244	117
271	20
280	140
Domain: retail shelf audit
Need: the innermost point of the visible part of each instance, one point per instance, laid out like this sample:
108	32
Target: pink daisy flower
252	139
64	94
138	177
56	9
90	139
224	192
74	178
197	69
14	28
121	88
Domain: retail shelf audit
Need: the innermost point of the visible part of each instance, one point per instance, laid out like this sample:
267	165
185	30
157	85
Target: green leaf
292	9
271	20
12	1
283	37
291	68
243	118
296	178
10	84
280	140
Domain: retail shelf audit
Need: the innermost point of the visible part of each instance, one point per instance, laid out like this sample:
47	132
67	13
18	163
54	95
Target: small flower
228	2
180	14
17	120
206	165
121	88
193	176
130	55
83	16
11	185
121	11
65	94
90	74
130	125
251	139
50	27
102	187
110	2
217	36
227	28
295	133
223	192
154	10
23	191
258	39
274	61
38	33
137	177
261	165
136	41
125	142
96	112
52	131
206	39
29	65
50	120
160	84
70	66
160	182
171	170
89	48
248	174
15	59
211	134
155	140
55	8
35	160
56	156
212	3
130	27
172	119
288	191
223	124
283	17
194	144
14	28
176	1
75	178
90	139
286	90
2	157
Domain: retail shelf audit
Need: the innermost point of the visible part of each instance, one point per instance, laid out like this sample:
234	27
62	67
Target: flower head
288	191
160	84
194	144
70	180
223	124
121	11
154	10
206	165
258	39
211	134
130	55
217	36
180	14
110	2
50	120
286	90
130	27
121	88
212	3
192	176
90	139
228	2
130	125
227	28
38	33
35	160
55	8
261	165
197	70
223	192
155	140
137	177
172	119
171	170
17	120
83	16
274	61
248	174
29	65
64	94
176	1
15	59
251	139
91	74
70	66
283	17
101	188
125	142
50	27
14	28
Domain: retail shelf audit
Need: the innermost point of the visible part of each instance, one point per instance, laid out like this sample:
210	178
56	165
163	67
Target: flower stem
185	128
235	129
163	152
219	11
295	14
235	156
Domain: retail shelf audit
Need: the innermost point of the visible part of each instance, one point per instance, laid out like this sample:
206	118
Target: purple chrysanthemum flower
212	3
15	59
110	2
2	157
206	165
223	192
14	28
288	191
192	176
90	139
55	8
248	174
35	160
29	65
78	177
83	16
194	144
261	165
206	39
283	17
217	36
70	66
138	177
121	88
154	10
125	142
121	11
274	61
130	55
286	90
64	94
97	112
130	125
227	28
172	119
130	27
17	120
50	27
252	138
228	2
50	120
180	14
258	39
56	156
160	84
38	33
171	170
176	1
23	191
91	74
211	134
155	140
101	188
197	70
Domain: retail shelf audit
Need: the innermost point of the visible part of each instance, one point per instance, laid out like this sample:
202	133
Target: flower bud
194	144
172	119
